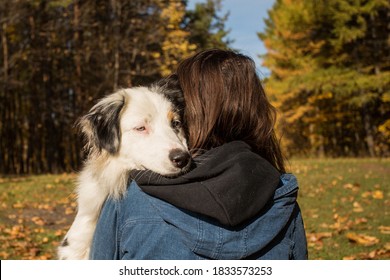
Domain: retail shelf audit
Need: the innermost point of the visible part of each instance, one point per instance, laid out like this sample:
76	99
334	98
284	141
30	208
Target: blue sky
246	18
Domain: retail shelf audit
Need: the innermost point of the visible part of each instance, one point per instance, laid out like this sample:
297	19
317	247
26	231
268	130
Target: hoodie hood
230	184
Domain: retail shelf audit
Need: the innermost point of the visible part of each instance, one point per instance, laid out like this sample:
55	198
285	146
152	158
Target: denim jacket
141	226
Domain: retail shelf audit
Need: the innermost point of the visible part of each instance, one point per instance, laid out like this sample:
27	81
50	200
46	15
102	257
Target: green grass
342	200
35	214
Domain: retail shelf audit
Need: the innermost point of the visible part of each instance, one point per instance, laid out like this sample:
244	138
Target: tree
206	27
58	57
330	74
176	43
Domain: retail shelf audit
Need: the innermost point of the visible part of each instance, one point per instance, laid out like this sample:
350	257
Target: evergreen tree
330	74
206	26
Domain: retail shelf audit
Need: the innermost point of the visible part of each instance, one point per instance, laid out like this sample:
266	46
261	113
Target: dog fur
132	129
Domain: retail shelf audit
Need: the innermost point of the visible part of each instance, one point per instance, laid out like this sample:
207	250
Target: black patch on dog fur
170	88
65	243
105	124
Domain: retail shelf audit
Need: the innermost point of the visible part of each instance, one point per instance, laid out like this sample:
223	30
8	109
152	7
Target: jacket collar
230	183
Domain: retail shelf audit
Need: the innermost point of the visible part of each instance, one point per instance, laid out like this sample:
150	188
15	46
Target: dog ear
170	87
101	126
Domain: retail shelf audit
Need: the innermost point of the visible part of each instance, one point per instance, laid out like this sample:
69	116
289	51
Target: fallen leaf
357	208
315	239
359	221
384	229
362	239
319	236
374	194
69	211
377	194
353	187
38	221
342	223
366	194
18	205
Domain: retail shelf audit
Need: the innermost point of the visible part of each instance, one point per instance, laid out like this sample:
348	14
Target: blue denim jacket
140	226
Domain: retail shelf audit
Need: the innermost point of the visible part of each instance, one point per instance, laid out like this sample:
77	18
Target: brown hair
225	101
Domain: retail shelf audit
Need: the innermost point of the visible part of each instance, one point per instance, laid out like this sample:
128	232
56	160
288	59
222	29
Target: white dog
136	128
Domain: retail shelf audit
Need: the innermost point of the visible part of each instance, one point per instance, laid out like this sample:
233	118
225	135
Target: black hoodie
230	183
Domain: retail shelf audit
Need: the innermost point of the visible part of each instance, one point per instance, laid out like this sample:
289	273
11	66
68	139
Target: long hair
225	101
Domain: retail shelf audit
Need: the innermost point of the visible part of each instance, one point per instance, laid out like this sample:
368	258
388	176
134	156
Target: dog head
140	127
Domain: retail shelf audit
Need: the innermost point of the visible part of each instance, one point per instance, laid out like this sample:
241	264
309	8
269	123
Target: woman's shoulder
134	206
288	185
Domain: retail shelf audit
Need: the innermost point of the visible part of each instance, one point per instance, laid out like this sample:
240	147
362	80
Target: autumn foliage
329	63
344	205
59	57
330	75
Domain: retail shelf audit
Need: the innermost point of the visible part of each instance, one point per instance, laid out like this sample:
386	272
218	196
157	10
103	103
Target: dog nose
179	158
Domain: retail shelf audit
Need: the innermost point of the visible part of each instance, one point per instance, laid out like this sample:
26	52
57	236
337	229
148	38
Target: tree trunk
116	10
369	134
5	52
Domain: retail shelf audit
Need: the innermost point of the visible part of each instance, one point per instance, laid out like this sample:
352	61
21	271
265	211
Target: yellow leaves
60	233
357	208
156	55
345	207
361	239
16	231
384	230
46	206
33	219
378	194
386	98
175	45
315	239
174	12
69	211
341	223
18	205
321	96
38	221
29	237
382	253
353	187
297	114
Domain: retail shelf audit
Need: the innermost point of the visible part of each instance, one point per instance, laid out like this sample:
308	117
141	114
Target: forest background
329	67
328	61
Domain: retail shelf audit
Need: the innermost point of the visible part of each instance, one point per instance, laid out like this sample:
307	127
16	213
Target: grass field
345	205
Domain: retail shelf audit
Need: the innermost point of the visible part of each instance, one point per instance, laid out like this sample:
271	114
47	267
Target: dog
137	128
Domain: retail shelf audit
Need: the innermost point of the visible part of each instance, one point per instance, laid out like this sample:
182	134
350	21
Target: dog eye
140	128
176	124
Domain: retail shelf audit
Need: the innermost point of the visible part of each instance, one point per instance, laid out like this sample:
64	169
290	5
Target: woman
236	203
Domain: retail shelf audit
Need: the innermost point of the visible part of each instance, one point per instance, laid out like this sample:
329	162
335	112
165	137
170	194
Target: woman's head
225	101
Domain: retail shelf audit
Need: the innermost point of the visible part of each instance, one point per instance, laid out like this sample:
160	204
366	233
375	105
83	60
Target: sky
245	20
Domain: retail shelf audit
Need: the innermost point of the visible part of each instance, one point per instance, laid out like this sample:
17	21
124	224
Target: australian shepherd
132	129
